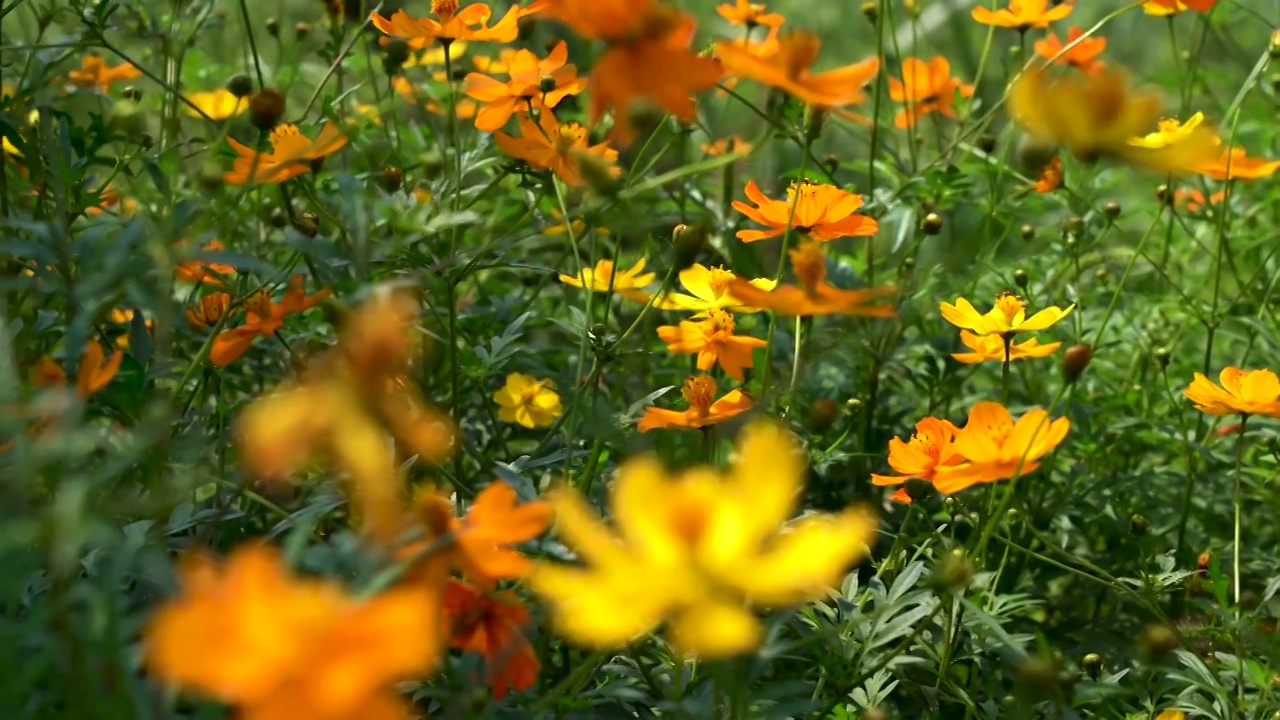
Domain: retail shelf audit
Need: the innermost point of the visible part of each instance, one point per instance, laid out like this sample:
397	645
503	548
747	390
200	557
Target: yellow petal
716	630
811	557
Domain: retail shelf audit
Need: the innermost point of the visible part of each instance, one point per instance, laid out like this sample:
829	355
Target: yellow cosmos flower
995	447
605	277
1169	132
697	550
709	290
1246	392
527	401
993	347
1007	318
218	104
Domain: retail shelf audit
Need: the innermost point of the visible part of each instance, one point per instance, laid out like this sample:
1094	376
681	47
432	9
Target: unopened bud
1156	642
871	9
987	143
1273	47
1112	210
266	108
919	489
391	178
815	120
823	414
302	30
132	93
1092	665
273	27
853	405
1028	232
931	224
547	84
394	54
240	86
1164	194
1138	525
954	572
1162	356
1020	278
307	223
690	241
1075	360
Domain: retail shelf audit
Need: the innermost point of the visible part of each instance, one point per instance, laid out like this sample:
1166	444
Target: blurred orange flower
713	341
1170	7
531	83
555	146
605	277
992	347
818	212
1024	14
1235	164
1194	201
202	271
789	70
291	155
1244	392
1083	56
1050	177
994	447
109	197
94	371
704	409
928	449
489	624
450	24
813	295
750	14
925	87
648	57
264	318
208	310
721	146
246	633
94	72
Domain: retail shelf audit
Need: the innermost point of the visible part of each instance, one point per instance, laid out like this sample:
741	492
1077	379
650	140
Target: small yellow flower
605	277
992	347
527	401
1007	318
1246	392
709	290
696	550
218	104
1169	132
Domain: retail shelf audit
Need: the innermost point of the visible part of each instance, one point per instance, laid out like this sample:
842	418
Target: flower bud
931	224
1092	665
1075	360
987	143
1162	356
1273	46
1164	194
1138	525
547	84
1020	278
273	27
1112	210
307	223
240	86
1156	642
266	108
690	241
132	93
1028	232
831	164
302	30
852	405
871	9
823	414
391	178
954	572
815	119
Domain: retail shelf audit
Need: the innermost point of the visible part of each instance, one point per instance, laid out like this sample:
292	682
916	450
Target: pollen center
1010	305
720	322
699	390
444	9
719	281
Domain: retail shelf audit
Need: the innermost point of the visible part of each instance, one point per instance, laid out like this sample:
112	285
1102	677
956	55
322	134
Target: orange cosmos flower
483	540
734	143
930	448
1235	164
204	272
1170	7
708	290
1194	201
819	212
812	295
648	57
1244	392
704	410
94	72
347	407
713	340
1023	14
531	82
1050	177
291	155
208	311
788	70
994	447
109	197
489	624
264	318
604	277
555	146
992	347
1083	56
925	87
246	633
1006	318
745	12
94	371
450	24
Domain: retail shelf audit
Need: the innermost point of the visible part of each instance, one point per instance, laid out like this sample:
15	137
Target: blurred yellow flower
527	401
246	633
1244	392
1007	318
697	550
709	290
218	104
604	277
1169	132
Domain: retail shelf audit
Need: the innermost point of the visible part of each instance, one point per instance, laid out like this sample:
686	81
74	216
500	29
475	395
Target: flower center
444	9
719	322
1009	305
567	137
699	391
259	303
719	281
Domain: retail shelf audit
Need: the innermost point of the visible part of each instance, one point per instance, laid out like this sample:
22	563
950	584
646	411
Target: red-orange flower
750	14
713	340
813	295
1235	164
1194	201
489	624
648	57
246	633
704	409
555	146
925	88
291	155
1023	14
788	70
94	72
264	317
819	212
94	371
531	82
202	271
450	24
1050	177
1083	55
921	456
